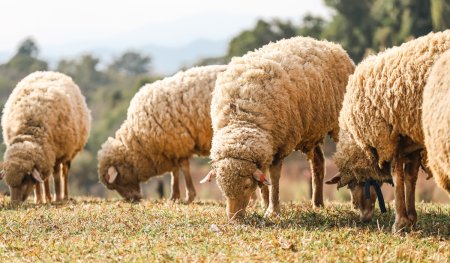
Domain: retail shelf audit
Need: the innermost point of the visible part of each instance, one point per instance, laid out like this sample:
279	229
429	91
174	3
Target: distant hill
165	60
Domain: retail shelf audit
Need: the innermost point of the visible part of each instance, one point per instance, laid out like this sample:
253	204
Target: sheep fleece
167	120
384	95
436	120
282	97
45	110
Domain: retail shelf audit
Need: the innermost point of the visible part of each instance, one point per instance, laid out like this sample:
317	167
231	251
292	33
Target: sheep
436	120
282	97
167	123
45	123
381	114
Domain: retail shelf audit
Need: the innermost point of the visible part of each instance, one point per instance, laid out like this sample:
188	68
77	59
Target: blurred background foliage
362	27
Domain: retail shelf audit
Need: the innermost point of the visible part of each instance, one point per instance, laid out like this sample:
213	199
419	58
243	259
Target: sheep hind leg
38	198
65	170
190	189
411	174
57	180
401	216
48	194
317	165
274	198
175	188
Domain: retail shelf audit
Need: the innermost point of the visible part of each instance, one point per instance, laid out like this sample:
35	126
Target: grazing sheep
282	97
382	115
45	124
436	120
168	121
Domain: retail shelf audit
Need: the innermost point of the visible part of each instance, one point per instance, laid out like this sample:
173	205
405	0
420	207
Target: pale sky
86	22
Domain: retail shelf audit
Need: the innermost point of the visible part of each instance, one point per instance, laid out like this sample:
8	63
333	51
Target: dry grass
112	230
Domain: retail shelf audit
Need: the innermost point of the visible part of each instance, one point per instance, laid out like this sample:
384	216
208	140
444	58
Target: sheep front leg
190	189
401	217
175	191
274	198
38	198
48	194
65	169
264	196
317	165
57	181
411	174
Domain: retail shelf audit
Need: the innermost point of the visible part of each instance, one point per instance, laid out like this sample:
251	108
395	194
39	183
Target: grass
111	230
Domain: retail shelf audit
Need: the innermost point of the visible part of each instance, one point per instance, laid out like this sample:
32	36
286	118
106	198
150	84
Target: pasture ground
87	229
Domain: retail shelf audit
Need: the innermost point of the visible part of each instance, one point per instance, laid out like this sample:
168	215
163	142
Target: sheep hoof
401	225
272	212
318	204
190	197
412	218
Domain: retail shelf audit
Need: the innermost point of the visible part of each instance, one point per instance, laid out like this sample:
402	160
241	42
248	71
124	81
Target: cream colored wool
282	97
354	166
436	120
45	120
167	121
384	95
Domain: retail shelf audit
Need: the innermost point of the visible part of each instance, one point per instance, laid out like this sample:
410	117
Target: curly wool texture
384	95
45	119
285	96
167	121
436	120
353	165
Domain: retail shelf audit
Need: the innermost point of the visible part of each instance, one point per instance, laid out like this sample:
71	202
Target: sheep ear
335	179
112	174
208	177
36	175
2	174
259	176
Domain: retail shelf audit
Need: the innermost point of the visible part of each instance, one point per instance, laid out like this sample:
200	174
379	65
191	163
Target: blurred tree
132	62
312	26
28	48
351	26
440	14
262	34
84	72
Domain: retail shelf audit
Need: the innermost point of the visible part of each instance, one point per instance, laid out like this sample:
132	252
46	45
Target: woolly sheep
45	124
167	122
282	97
436	120
382	115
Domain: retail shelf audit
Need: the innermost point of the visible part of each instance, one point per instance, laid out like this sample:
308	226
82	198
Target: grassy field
112	230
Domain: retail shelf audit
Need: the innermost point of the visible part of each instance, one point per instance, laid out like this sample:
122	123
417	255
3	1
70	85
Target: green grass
112	230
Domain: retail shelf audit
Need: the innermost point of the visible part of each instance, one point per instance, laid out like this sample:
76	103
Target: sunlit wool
436	120
282	97
45	120
167	121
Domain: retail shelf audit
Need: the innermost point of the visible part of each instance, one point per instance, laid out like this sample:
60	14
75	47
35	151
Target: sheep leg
57	181
190	189
317	165
401	216
264	196
66	168
274	199
411	172
38	198
175	193
48	195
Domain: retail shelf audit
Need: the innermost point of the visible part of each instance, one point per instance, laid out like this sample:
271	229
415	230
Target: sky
110	23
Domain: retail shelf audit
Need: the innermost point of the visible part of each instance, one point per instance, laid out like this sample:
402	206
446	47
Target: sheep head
238	180
116	172
21	171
